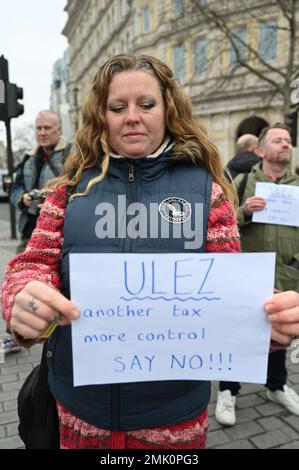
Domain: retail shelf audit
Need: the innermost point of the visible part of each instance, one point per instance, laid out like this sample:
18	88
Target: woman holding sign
138	140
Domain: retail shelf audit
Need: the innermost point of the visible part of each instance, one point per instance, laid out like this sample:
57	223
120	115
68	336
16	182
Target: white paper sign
171	316
282	204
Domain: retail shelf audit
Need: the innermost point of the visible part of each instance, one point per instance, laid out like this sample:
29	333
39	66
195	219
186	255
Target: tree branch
220	22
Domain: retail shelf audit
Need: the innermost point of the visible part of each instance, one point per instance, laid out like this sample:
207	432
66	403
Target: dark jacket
242	163
127	406
25	180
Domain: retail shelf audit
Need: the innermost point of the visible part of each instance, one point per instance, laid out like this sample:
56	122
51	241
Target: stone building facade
96	29
60	95
228	99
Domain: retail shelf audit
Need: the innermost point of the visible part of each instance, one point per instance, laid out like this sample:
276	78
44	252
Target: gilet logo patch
175	210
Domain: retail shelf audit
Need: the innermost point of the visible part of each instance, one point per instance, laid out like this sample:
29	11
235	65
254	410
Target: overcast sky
31	40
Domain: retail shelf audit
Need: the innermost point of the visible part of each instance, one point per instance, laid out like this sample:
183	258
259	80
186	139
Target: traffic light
3	82
9	94
13	94
3	69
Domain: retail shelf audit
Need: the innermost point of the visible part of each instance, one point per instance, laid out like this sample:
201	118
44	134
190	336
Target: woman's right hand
37	306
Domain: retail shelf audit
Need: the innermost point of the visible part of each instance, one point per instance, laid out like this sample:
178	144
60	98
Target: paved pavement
260	424
15	367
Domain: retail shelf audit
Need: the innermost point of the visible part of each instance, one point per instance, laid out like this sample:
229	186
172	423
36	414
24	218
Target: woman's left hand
283	313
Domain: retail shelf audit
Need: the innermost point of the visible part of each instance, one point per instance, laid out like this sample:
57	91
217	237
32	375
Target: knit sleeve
222	235
41	259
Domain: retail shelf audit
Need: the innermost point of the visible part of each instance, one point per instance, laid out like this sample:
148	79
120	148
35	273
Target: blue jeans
276	374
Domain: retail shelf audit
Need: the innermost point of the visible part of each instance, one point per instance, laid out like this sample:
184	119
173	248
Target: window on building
178	8
136	22
129	41
239	39
179	61
125	6
268	39
146	19
200	55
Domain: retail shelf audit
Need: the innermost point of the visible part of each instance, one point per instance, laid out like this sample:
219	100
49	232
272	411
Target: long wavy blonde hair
92	138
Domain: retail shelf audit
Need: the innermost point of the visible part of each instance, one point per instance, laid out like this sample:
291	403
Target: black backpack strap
53	168
242	187
67	150
65	153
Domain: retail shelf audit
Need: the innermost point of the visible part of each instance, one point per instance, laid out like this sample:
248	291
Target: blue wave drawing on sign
171	299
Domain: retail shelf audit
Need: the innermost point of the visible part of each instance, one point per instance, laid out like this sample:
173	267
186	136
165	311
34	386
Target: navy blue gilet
128	406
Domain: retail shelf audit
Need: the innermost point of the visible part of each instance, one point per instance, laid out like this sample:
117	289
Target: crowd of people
138	138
